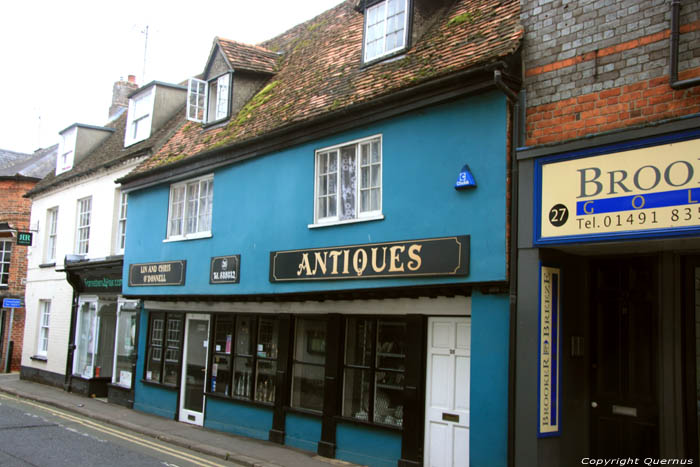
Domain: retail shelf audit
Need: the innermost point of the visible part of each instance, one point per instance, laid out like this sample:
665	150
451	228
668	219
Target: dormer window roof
386	28
209	97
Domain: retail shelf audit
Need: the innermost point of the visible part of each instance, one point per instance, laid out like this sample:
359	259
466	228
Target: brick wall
593	66
15	210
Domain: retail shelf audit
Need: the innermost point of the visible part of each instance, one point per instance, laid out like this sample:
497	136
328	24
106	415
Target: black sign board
102	283
154	274
446	256
24	238
225	269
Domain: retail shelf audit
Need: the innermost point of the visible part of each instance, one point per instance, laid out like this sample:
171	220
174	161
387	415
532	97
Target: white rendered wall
46	283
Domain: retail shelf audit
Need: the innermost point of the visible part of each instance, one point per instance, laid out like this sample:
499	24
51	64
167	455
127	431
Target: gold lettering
690	197
374	259
360	264
585	207
320	258
304	265
413	251
394	260
334	256
346	261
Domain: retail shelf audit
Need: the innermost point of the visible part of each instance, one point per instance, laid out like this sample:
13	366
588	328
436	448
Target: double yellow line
119	434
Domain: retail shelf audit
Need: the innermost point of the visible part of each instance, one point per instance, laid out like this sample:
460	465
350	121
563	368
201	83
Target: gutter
675	38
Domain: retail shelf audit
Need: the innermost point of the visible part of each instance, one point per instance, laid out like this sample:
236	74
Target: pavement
245	451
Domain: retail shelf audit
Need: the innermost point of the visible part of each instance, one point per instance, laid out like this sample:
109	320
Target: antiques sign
638	192
225	269
447	256
152	274
549	423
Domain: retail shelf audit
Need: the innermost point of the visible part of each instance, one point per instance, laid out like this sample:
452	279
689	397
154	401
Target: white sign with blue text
549	346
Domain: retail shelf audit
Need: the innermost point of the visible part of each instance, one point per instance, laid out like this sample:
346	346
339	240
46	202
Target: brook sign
646	191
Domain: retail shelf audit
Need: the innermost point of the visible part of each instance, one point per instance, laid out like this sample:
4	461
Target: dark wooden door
624	402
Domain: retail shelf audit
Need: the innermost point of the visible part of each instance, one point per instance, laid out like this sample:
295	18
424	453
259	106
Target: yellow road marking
119	434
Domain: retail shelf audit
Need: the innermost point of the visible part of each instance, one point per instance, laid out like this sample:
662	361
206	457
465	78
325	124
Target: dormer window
209	101
66	151
138	124
386	28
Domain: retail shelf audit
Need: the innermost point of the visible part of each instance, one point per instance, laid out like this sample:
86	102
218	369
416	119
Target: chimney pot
132	78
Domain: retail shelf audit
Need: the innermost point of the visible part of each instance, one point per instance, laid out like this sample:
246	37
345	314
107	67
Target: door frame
184	415
690	404
428	375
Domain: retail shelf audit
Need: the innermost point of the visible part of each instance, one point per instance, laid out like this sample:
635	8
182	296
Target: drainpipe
512	97
675	38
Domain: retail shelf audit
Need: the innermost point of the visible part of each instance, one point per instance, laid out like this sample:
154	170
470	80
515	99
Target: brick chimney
120	93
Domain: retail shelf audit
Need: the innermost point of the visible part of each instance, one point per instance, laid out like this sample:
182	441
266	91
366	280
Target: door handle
594	404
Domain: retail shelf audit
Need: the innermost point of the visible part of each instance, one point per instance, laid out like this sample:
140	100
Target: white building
79	332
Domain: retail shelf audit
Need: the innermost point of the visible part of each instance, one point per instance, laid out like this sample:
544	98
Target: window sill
223	397
213	123
183	238
160	385
367	423
310	412
48	265
39	358
377	217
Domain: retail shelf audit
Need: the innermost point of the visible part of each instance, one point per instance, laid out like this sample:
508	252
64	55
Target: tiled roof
321	71
248	57
111	152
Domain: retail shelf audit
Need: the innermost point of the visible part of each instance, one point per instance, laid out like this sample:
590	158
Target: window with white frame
121	222
208	101
51	234
5	257
42	346
190	209
66	150
83	228
386	26
349	181
138	125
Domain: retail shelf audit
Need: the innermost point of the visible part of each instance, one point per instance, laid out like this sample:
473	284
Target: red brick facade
15	210
630	105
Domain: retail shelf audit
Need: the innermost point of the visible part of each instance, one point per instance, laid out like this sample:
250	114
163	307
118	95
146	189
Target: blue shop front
336	288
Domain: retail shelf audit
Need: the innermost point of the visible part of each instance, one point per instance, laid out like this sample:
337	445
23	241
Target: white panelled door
447	392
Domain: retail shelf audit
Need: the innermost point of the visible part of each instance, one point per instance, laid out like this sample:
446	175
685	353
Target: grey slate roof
36	165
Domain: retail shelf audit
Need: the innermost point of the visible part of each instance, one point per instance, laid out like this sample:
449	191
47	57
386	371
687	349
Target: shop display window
308	368
164	348
94	340
375	361
244	360
125	344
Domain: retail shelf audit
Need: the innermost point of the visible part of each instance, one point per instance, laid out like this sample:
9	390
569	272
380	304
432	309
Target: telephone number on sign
647	218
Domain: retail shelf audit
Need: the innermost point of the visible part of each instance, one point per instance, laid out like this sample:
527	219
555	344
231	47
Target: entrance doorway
194	368
624	349
447	392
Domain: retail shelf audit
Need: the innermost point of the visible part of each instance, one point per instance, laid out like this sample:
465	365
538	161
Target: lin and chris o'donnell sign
639	192
448	256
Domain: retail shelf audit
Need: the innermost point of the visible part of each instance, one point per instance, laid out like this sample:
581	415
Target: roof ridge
239	43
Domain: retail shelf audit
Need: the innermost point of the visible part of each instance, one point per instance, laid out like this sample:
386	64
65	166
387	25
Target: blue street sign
12	303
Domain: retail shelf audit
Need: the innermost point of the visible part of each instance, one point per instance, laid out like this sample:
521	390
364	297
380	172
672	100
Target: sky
59	59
